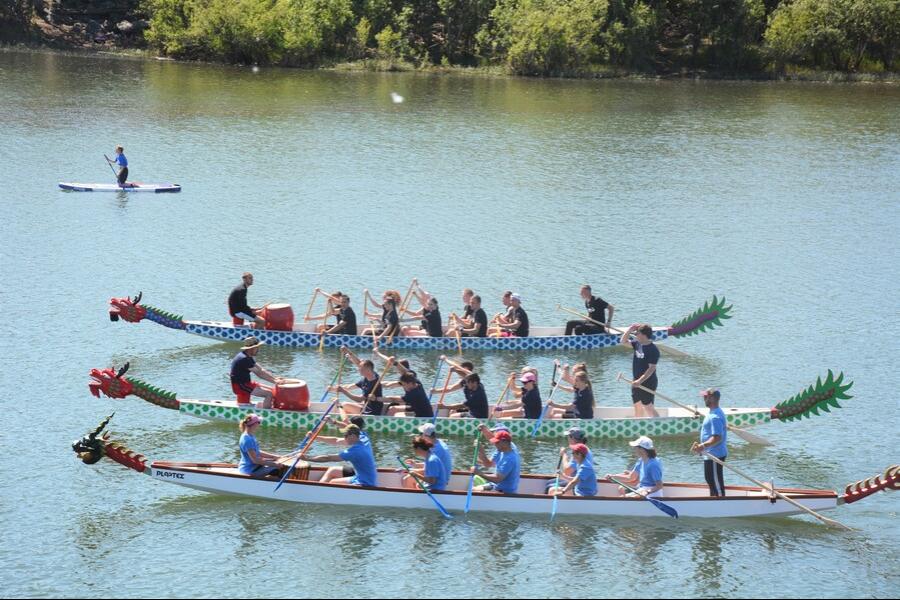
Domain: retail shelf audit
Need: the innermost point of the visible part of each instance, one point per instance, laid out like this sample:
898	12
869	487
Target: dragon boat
304	485
609	422
303	335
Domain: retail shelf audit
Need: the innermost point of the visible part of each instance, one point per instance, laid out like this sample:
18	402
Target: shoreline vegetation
796	40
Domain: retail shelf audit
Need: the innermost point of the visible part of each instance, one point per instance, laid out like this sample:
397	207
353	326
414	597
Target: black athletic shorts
123	175
644	397
349	472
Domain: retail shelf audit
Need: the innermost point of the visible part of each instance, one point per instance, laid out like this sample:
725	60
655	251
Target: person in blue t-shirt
584	479
506	463
430	471
713	441
429	432
647	473
253	461
358	454
122	163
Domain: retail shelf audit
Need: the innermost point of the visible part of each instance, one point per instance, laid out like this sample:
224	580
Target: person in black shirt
238	307
643	368
518	327
415	400
242	365
467	295
430	315
370	401
346	319
583	405
479	320
476	403
596	310
528	405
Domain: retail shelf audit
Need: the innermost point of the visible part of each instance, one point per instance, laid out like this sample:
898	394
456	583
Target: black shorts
348	472
122	177
642	396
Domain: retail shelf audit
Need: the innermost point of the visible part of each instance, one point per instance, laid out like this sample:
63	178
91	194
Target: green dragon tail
822	395
708	317
153	394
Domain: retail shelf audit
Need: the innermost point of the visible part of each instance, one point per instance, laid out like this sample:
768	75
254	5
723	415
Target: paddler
430	471
515	324
429	432
369	403
646	474
254	462
346	319
582	406
479	324
242	365
713	442
580	471
643	368
596	309
476	403
431	318
238	307
506	463
122	163
529	403
413	403
363	471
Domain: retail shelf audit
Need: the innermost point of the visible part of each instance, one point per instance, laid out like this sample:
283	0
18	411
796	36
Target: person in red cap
584	479
506	463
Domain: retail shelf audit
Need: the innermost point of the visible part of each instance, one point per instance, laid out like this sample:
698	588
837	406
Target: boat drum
278	317
291	394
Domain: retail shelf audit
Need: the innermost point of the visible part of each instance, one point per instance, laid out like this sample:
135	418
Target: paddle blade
553	509
664	507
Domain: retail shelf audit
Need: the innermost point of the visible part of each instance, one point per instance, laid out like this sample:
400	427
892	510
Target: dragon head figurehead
110	382
92	447
129	309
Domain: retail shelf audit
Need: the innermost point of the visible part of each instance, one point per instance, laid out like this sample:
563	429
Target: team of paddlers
368	398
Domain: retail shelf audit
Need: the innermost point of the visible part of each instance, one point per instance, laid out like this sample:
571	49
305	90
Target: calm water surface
782	197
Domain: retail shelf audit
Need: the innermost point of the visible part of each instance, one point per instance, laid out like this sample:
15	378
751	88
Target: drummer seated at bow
431	318
362	471
475	404
413	403
242	365
516	323
369	402
238	308
431	472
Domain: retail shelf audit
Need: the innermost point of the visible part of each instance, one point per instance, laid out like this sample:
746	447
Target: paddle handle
380	382
691	409
772	489
472	478
544	412
509	381
587	318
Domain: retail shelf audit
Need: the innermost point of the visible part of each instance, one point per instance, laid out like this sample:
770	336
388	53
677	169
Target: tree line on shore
536	37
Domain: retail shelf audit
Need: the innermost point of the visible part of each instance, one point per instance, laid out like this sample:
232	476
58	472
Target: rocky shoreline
74	24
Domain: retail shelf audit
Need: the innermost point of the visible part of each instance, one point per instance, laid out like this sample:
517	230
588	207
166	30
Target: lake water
783	197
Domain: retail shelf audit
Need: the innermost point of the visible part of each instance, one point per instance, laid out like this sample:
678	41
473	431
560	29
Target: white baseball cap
427	429
643	441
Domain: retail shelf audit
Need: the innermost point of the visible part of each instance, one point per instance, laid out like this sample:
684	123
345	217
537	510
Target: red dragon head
110	382
128	309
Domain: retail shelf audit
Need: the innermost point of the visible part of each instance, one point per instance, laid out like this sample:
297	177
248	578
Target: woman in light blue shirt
646	474
254	462
584	479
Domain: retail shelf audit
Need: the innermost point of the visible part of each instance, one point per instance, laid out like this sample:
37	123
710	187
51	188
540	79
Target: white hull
690	500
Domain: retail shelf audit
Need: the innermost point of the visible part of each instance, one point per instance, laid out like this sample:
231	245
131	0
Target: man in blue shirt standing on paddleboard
122	163
713	441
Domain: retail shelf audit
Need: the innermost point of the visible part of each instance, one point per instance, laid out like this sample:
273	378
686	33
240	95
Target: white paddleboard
158	188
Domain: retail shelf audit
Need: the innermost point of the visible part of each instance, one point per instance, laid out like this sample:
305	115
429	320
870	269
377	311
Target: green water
782	197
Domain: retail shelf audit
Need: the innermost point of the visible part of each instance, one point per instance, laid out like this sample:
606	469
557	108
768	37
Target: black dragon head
90	448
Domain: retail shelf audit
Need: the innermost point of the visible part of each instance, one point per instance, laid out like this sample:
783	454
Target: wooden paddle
325	324
509	381
387	367
424	488
662	347
771	489
311	303
660	505
456	333
748	437
437	375
407	298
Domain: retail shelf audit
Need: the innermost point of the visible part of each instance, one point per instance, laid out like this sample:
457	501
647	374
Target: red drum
279	317
291	395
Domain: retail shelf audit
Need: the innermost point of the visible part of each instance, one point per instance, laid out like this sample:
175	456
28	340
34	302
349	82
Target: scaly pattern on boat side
889	480
154	395
822	395
124	456
132	311
115	385
92	447
704	319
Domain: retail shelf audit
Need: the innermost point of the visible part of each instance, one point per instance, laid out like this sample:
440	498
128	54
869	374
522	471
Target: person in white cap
242	365
646	474
518	326
441	450
254	462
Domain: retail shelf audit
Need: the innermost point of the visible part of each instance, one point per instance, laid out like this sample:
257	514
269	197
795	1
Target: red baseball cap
580	449
501	436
